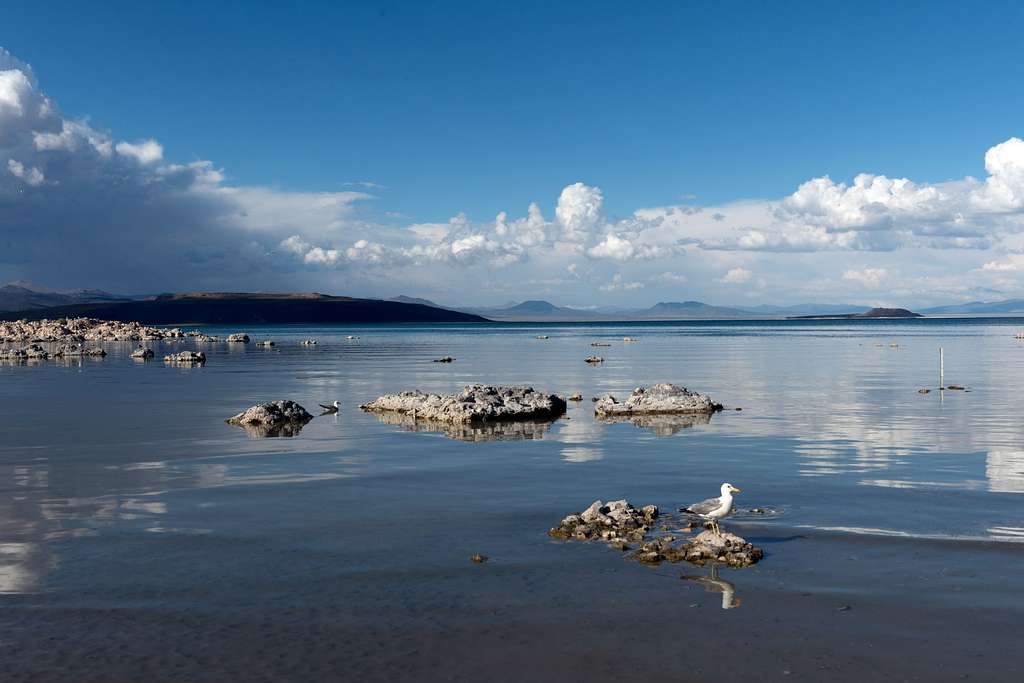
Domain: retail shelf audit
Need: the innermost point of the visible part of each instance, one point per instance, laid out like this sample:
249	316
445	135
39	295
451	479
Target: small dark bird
333	408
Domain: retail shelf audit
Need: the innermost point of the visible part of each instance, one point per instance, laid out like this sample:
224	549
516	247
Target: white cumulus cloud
736	276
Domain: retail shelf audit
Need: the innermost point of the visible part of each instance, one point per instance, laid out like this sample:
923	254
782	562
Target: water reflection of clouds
36	511
582	437
1004	470
22	566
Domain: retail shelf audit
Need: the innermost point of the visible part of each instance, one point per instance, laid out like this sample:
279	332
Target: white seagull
713	509
333	408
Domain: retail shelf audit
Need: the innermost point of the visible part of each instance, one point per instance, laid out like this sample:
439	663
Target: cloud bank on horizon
81	208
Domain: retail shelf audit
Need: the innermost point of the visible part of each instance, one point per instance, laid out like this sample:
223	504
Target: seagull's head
728	489
336	404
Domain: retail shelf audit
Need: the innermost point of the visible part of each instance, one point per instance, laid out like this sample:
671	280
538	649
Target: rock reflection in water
714	584
478	431
660	425
285	429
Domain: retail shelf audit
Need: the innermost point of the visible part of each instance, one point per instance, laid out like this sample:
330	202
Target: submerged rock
576	397
142	353
186	358
275	418
660	399
475	403
309	342
446	359
237	338
265	342
616	520
593	359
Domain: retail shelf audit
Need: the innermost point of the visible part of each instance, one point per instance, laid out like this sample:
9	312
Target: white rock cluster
660	399
81	330
475	403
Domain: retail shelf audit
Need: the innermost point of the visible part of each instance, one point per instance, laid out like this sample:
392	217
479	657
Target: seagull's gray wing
704	507
331	408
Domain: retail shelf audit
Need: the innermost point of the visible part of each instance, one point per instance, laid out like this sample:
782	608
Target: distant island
241	308
873	313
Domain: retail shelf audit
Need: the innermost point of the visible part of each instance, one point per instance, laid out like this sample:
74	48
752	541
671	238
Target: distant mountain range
20	299
675	310
21	296
240	308
541	310
1006	307
403	299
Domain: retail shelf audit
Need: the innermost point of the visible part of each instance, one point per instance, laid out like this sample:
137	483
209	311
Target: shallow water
142	538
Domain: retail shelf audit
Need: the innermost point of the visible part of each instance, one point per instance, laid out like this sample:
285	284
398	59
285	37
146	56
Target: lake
142	538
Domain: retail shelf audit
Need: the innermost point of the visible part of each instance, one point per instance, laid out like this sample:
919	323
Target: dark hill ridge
20	296
532	307
237	308
873	313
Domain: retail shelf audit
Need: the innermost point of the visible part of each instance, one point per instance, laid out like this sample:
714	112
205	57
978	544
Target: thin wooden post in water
942	369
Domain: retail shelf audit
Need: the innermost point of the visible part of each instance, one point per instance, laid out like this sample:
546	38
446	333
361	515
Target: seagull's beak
736	490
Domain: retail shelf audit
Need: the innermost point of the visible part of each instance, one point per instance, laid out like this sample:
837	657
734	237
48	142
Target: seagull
333	408
713	509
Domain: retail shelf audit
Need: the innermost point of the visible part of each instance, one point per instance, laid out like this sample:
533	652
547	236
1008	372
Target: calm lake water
142	538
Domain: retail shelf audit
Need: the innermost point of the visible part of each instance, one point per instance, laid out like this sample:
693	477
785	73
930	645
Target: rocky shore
474	404
660	399
77	330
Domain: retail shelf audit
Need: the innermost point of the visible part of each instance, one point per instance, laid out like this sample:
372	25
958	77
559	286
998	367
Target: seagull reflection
713	584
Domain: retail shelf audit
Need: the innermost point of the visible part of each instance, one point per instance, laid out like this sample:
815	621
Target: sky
477	153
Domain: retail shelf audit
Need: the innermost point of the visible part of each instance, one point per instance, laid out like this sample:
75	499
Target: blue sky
479	108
